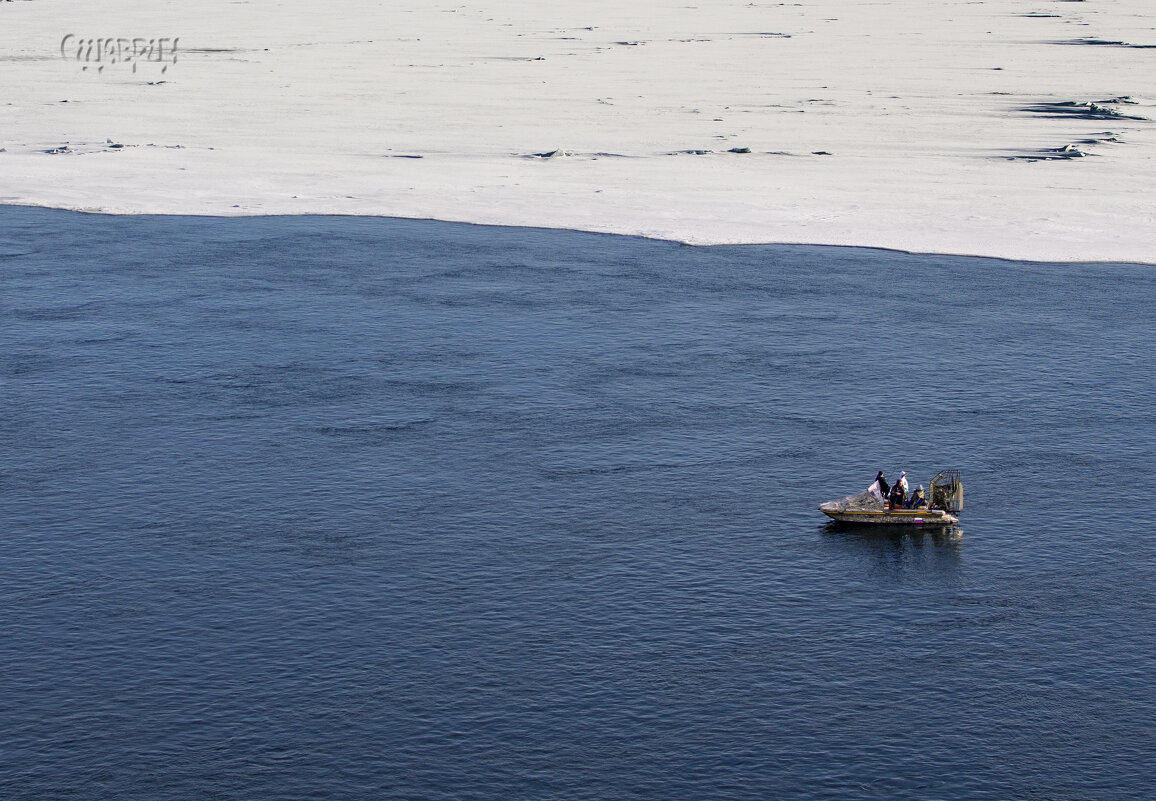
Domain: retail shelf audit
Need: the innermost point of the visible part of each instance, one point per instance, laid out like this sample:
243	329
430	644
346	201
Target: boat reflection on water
937	535
899	553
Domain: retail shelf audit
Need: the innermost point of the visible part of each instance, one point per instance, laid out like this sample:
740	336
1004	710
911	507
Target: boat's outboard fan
946	491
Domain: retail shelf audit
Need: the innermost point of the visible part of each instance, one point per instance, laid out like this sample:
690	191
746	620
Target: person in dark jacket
884	487
898	496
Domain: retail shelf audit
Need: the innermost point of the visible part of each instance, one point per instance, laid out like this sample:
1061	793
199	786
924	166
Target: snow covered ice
1012	128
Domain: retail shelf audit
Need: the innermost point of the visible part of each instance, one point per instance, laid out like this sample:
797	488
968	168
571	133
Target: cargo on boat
944	501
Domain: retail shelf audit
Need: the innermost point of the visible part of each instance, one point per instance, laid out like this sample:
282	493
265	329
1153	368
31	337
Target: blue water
333	508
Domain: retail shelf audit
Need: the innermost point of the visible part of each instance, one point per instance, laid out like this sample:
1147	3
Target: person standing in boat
884	487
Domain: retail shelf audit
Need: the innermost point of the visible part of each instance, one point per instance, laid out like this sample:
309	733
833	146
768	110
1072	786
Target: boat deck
902	517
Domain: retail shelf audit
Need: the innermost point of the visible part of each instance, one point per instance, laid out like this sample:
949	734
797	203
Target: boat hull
896	517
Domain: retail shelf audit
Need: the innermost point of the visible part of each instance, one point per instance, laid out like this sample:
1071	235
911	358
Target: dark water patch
57	313
309	507
1091	110
761	34
1104	43
373	433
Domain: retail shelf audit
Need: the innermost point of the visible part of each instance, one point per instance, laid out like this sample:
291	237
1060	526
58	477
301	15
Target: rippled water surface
303	508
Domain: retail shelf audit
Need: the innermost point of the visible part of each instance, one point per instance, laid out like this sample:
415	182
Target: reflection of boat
944	502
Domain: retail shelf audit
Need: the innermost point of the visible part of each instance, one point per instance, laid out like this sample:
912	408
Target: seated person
898	496
918	499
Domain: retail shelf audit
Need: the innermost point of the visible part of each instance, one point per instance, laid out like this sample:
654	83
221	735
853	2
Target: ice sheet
1012	128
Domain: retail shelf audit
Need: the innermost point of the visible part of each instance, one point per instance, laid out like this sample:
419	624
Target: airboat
944	502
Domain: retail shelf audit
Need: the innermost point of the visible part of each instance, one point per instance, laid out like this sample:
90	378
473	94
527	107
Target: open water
333	508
